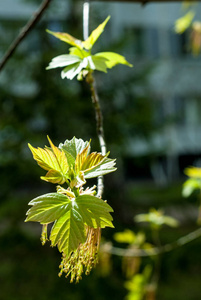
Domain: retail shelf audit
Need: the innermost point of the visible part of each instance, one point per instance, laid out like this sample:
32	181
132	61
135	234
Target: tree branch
99	125
24	32
153	251
95	99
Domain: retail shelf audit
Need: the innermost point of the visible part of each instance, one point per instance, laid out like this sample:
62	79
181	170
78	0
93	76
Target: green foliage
187	22
79	62
156	218
74	211
72	163
193	182
183	23
137	286
128	236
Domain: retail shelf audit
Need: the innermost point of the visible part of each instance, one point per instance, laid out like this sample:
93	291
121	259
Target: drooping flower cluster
78	215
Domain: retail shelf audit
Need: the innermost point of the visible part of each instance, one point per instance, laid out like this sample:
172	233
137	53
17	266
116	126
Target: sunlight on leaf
67	38
88	44
193	172
79	62
51	160
113	59
94	211
127	236
183	23
63	61
68	232
157	218
47	208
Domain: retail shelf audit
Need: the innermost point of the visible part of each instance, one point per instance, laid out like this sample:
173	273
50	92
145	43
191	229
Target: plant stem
95	99
99	125
157	267
156	250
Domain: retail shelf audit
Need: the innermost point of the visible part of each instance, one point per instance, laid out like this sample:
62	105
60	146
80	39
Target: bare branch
95	99
24	32
99	125
153	251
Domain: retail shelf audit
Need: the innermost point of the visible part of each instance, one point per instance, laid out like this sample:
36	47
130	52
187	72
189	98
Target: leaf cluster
157	219
80	61
74	209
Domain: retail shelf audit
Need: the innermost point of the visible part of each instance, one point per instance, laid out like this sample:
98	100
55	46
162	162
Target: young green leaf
104	167
78	52
53	160
99	63
94	211
67	38
63	61
68	232
73	70
183	23
80	61
190	185
112	59
48	208
156	218
88	44
72	148
193	172
81	158
127	236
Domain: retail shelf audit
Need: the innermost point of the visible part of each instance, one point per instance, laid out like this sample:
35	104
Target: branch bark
24	32
99	125
95	99
156	250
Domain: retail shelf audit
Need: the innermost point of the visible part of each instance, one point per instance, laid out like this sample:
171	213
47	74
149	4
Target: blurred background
152	127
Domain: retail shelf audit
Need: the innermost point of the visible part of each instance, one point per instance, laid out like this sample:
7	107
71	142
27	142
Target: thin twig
86	7
99	126
156	250
24	32
95	99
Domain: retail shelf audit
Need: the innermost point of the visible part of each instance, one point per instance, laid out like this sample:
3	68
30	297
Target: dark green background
63	109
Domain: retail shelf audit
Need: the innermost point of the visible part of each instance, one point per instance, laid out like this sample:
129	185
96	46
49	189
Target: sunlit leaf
68	232
106	166
72	148
63	61
78	52
94	211
53	176
48	208
88	44
127	236
71	71
67	38
91	161
193	172
190	186
51	159
157	219
81	158
184	22
99	63
113	59
138	283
